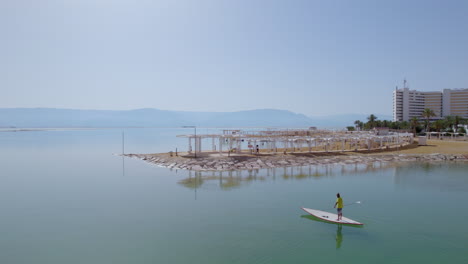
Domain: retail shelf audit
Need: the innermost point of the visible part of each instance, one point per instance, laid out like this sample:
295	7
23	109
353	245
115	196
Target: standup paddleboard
329	217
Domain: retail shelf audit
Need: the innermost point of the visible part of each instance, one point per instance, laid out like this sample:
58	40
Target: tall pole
398	140
196	143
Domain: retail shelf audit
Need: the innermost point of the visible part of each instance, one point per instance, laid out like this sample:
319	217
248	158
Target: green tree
456	121
427	114
439	124
386	123
449	121
404	125
358	124
395	125
371	121
414	124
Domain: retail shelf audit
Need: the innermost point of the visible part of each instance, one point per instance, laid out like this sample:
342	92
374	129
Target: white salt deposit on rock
225	163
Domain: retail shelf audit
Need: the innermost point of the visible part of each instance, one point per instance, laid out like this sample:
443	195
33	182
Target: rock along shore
224	163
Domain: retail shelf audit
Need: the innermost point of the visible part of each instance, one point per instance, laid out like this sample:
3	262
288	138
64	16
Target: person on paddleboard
339	206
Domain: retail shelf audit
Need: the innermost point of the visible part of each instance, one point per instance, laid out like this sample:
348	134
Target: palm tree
414	123
404	125
372	118
438	125
463	121
427	114
395	125
450	121
378	123
358	124
386	123
456	121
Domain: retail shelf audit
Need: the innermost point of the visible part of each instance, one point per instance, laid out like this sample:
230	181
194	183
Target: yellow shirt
339	203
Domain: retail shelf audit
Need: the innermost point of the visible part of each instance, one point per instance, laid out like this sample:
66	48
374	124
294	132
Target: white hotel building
411	103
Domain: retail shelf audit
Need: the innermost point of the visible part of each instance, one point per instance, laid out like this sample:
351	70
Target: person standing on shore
339	206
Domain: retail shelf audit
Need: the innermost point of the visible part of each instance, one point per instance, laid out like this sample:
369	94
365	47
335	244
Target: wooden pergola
294	140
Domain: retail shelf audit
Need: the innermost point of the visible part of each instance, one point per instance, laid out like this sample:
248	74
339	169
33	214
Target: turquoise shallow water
65	198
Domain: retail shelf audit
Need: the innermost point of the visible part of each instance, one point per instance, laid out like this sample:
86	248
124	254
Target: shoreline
433	152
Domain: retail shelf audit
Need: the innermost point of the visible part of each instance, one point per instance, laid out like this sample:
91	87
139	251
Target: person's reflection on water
339	237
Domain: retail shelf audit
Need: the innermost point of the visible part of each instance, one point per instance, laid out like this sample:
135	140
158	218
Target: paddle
357	202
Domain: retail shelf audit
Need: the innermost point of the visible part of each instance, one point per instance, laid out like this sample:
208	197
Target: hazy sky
310	57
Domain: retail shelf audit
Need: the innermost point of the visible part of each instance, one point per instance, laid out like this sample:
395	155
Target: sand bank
435	151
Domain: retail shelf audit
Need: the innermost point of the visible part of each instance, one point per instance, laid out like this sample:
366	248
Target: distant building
411	103
455	102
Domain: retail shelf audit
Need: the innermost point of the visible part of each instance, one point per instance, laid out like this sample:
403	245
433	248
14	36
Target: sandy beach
436	146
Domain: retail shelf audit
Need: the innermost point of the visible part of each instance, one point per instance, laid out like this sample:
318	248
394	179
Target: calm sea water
65	198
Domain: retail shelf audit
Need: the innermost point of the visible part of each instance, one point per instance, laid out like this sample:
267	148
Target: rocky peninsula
249	162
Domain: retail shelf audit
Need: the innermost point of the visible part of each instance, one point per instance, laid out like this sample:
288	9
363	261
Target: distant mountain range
52	117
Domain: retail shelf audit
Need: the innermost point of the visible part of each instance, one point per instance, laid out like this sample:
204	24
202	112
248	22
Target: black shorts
339	210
